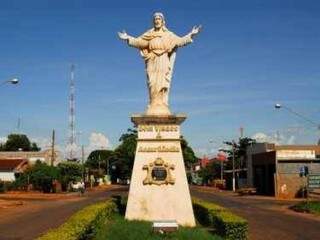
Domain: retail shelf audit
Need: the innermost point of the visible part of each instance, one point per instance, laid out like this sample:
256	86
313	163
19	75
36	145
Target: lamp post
13	81
279	106
233	170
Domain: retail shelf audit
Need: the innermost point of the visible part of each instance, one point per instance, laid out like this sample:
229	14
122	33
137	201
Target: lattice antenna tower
72	130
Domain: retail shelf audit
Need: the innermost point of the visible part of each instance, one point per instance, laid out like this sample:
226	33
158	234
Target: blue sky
250	55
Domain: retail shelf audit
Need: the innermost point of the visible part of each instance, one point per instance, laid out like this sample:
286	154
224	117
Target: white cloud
43	143
3	139
76	150
97	141
276	138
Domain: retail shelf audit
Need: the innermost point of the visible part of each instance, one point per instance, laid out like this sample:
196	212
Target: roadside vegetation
225	223
105	221
308	207
45	178
84	223
119	228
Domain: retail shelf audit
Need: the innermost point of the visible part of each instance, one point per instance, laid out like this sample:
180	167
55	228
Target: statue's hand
123	35
195	30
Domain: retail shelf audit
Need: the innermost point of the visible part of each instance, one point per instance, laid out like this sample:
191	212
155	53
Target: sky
249	56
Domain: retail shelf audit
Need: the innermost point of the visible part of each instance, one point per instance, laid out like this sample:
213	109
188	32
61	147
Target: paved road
268	219
36	217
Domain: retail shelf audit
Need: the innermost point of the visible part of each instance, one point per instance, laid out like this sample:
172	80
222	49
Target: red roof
12	164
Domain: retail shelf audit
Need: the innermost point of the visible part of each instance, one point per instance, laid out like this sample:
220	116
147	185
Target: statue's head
158	20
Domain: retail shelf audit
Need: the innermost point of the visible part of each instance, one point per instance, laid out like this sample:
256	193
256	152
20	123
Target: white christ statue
158	48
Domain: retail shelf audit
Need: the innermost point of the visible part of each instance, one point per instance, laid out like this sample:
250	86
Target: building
32	157
276	169
10	167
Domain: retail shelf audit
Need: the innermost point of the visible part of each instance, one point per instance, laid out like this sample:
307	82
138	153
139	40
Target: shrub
82	223
41	176
2	187
309	207
69	172
227	224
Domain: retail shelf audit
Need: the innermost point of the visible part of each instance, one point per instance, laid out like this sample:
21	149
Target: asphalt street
37	216
268	218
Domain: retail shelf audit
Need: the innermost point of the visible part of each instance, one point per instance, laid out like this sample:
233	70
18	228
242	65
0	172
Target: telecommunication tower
72	131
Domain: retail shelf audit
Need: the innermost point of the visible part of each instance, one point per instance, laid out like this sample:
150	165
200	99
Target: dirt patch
10	203
33	195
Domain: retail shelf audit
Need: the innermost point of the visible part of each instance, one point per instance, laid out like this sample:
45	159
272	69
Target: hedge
226	224
308	207
82	223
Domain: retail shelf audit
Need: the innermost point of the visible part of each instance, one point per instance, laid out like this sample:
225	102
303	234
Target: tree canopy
98	159
19	142
121	159
240	149
188	154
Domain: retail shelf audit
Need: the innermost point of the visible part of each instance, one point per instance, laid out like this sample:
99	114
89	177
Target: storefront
275	170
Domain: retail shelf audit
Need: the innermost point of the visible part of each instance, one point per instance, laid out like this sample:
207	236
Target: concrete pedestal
159	189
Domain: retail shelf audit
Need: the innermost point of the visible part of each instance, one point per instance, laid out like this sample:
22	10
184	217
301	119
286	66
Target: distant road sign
314	181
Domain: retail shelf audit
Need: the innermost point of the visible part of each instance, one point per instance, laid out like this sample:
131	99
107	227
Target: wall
288	181
7	176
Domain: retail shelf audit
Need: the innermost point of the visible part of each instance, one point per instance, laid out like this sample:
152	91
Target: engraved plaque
159	173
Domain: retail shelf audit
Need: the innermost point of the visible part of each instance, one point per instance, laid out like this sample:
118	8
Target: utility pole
233	170
221	169
82	160
241	132
19	125
82	154
99	159
52	148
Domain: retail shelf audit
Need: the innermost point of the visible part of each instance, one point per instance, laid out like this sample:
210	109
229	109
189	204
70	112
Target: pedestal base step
165	226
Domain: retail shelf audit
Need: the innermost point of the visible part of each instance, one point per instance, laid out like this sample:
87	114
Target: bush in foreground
225	223
83	223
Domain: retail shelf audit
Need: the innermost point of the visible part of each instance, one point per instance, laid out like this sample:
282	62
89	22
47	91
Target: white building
10	167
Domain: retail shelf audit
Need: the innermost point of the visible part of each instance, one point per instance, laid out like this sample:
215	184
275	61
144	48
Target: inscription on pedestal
159	149
158	131
158	128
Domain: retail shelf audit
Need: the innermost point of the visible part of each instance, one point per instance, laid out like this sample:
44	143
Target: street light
279	106
13	81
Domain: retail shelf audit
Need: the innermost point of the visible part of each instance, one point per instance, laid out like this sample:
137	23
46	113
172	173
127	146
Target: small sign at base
165	226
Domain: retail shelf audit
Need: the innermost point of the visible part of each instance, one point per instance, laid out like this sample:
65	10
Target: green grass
83	222
309	207
118	228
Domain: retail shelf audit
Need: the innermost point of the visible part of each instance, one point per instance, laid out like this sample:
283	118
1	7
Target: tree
240	149
19	142
40	175
99	159
210	172
34	147
69	172
123	156
188	154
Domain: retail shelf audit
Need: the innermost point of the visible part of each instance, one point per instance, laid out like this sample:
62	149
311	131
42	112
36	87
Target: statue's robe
158	49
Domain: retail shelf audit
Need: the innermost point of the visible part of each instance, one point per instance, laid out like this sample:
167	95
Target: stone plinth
159	189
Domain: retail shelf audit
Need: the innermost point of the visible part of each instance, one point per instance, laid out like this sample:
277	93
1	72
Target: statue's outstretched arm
132	41
182	41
